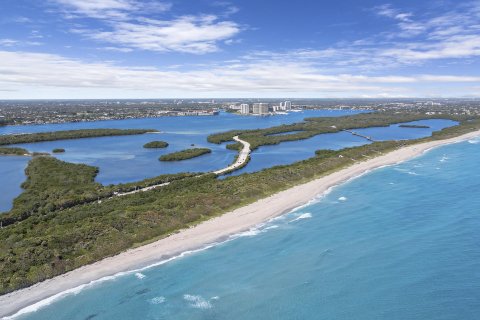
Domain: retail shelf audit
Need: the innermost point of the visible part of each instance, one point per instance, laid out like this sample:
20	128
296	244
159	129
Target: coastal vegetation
53	184
68	134
13	151
55	239
185	154
414	126
315	126
58	150
155	145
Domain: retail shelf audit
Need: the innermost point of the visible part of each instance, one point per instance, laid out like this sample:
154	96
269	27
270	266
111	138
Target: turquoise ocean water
401	242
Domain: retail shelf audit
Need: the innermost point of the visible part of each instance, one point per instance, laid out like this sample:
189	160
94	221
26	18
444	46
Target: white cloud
454	35
8	42
35	72
456	46
127	27
110	9
387	10
16	43
192	34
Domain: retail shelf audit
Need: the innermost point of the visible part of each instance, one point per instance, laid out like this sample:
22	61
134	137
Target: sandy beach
202	235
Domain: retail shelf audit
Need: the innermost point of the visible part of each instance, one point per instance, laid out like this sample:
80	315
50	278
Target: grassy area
69	134
155	145
58	150
51	242
185	154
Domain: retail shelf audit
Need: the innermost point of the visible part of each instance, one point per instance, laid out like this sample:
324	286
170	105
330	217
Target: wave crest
197	301
307	215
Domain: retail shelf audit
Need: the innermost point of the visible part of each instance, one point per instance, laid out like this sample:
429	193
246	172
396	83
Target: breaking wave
140	275
197	301
307	215
157	300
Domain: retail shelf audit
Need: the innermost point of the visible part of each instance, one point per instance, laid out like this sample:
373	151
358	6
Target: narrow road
242	157
121	194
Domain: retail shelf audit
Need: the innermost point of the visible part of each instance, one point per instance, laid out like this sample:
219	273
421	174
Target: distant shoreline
206	233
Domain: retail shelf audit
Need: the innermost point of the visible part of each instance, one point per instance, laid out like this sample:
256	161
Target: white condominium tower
260	108
244	108
287	105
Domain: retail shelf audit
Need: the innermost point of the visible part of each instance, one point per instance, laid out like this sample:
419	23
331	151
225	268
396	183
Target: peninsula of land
208	232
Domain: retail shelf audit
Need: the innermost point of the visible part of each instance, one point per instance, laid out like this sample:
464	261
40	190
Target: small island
14	152
185	154
155	145
414	126
58	150
68	135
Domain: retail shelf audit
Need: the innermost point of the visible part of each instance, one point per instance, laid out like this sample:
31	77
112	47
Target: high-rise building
288	105
260	108
244	108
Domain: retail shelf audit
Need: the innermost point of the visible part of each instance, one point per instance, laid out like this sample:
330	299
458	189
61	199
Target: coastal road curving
242	157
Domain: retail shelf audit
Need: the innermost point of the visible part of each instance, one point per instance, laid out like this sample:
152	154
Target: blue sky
245	48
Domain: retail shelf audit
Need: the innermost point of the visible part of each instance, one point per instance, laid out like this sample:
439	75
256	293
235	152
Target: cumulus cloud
192	34
127	26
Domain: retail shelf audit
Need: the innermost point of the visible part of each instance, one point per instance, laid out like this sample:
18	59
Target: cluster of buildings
262	108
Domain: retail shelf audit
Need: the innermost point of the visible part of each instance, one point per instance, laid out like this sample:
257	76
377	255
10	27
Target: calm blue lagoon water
123	159
395	132
12	175
400	242
293	151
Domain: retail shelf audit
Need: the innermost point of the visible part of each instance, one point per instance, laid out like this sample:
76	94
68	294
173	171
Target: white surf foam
249	233
157	300
342	199
307	215
48	301
197	301
271	227
45	302
140	275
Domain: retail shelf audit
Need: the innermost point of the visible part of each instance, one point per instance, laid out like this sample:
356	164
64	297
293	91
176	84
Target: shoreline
205	234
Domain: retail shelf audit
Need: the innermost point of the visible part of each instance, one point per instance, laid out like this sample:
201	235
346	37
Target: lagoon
123	159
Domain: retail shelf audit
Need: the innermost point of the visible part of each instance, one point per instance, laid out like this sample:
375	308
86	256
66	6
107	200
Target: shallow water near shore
400	242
